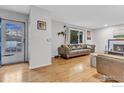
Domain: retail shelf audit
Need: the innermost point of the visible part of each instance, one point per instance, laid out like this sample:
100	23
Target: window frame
69	33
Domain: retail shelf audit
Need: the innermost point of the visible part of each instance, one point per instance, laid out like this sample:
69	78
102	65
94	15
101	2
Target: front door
12	41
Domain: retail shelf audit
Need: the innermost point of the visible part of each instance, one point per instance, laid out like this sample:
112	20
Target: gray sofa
67	51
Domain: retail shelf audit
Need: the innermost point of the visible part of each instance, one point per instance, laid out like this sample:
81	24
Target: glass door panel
13	41
14	36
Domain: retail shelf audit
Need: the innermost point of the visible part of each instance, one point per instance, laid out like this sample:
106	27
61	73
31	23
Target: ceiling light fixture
106	25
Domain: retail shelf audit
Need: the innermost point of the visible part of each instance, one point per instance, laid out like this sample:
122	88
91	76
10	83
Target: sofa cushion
79	47
74	51
80	50
66	47
88	46
83	46
85	50
73	47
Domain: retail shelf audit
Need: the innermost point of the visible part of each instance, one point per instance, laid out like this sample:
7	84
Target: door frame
24	36
0	42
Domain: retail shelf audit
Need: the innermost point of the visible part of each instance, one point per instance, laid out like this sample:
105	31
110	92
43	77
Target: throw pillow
83	45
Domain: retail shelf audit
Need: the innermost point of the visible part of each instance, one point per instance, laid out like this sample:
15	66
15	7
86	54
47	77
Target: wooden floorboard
61	70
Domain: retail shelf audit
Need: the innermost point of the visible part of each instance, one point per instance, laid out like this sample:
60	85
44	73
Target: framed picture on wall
88	35
41	25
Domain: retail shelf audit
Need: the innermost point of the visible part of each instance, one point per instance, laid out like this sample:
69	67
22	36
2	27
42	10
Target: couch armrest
92	47
63	50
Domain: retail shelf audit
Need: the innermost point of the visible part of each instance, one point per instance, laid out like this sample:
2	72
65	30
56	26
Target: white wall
39	40
56	41
18	17
101	36
59	40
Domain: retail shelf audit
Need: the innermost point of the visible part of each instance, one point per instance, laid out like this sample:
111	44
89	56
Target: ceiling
93	16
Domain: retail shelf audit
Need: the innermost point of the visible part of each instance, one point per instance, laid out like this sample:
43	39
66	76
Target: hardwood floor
61	70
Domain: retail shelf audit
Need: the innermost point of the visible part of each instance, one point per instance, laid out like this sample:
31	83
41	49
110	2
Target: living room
59	48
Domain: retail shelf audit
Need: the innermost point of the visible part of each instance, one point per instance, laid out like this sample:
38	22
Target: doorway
13	44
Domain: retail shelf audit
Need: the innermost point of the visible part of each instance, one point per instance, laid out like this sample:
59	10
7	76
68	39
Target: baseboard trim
40	66
14	63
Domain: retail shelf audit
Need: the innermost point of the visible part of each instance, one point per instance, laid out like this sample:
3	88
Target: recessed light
106	25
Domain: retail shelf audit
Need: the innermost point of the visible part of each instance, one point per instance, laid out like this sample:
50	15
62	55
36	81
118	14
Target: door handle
8	55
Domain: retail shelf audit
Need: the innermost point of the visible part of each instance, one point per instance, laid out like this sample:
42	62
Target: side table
93	59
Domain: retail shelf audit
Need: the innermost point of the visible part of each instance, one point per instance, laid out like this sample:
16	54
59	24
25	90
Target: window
80	37
75	36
